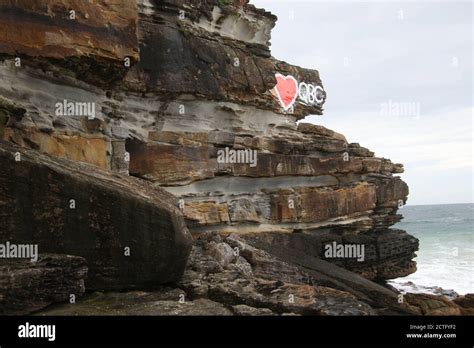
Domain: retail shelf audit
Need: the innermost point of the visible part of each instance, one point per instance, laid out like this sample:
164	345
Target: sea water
446	254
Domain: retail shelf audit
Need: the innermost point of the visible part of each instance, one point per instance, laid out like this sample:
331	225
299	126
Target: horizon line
437	204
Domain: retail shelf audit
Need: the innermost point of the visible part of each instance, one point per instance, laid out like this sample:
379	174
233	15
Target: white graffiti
310	93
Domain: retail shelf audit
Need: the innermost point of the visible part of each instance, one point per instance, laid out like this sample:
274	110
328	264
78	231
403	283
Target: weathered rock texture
80	35
131	233
174	84
218	282
228	276
27	286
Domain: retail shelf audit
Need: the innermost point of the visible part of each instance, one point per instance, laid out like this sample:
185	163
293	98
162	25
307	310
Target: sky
399	80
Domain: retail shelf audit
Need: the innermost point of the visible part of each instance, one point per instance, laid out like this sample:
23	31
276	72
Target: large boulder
131	233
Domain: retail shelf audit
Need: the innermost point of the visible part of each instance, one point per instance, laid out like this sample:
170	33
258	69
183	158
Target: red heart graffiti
286	90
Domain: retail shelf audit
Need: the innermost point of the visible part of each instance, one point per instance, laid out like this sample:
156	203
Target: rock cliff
140	109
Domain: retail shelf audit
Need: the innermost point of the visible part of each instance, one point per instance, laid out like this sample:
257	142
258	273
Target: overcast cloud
370	53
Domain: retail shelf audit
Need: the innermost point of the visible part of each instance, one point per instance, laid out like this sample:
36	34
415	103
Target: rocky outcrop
228	276
186	97
131	233
387	253
466	304
90	39
27	286
217	281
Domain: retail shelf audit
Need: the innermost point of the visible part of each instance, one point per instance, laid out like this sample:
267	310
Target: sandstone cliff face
175	89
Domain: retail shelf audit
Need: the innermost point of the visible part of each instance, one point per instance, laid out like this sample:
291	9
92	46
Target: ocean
446	255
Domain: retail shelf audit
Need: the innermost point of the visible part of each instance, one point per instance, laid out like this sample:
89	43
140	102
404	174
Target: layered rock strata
186	96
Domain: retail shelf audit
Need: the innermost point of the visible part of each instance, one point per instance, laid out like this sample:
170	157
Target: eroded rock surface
234	285
166	91
27	286
131	233
245	280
